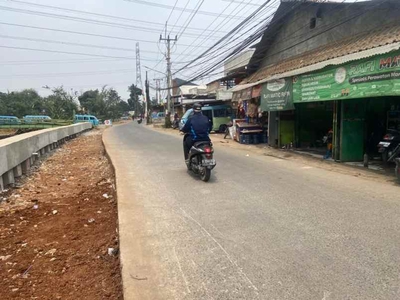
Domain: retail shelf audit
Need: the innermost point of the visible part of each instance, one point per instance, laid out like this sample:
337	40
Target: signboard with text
276	95
372	77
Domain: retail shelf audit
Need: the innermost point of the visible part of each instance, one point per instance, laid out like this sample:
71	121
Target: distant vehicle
219	115
36	119
125	118
159	115
86	118
4	120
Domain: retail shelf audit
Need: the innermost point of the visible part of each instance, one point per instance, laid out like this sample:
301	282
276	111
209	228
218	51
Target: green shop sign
373	77
277	95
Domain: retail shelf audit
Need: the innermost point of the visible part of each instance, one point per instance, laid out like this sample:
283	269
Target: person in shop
241	112
329	145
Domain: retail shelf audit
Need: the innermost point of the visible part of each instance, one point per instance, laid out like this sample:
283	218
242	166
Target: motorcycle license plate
208	162
384	144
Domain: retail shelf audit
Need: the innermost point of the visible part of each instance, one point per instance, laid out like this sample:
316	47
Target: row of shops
357	102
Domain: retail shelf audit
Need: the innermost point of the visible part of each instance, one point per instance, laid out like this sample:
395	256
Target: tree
133	100
19	104
61	104
123	107
88	100
105	104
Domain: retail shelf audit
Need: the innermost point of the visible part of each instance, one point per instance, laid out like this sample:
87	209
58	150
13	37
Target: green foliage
105	104
133	101
61	104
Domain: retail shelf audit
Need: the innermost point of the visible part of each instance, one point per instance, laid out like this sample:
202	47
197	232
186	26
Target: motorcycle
201	160
389	148
139	121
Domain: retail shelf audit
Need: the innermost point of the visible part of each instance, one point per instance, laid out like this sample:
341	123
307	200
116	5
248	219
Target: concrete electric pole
147	84
169	75
158	89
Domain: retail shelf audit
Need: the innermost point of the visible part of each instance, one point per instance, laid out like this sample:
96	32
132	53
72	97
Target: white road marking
217	230
183	274
223	249
326	295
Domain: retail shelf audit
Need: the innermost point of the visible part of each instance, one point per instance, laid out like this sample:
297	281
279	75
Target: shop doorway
313	122
286	129
352	130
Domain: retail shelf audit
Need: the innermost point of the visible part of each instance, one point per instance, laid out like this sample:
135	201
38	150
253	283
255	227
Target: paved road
262	228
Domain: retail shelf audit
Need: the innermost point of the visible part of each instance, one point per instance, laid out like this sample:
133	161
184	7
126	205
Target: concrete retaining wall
18	153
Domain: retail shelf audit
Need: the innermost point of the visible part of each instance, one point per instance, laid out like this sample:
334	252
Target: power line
54	61
180	15
65	52
261	32
271	23
106	72
71	44
206	13
83	20
89	13
190	18
170	14
218	26
247	3
80	33
228	34
210	69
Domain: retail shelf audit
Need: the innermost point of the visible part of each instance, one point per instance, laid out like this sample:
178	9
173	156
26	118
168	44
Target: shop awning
380	41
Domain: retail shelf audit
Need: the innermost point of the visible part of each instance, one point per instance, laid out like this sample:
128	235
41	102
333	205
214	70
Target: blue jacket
198	126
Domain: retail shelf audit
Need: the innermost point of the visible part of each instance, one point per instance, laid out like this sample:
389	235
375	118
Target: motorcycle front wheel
205	174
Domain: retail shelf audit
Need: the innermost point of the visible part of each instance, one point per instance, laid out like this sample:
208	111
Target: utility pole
169	75
147	84
158	89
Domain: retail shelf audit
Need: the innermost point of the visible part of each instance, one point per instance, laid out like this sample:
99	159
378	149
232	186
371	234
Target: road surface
262	228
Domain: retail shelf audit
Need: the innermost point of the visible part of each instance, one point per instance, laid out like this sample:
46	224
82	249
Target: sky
87	44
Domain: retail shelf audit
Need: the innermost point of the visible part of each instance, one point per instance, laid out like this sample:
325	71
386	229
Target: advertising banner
277	95
372	77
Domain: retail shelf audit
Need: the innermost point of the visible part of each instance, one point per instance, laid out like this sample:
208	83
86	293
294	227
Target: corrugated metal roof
364	45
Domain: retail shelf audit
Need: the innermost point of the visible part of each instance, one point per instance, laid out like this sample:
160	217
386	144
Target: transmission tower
139	83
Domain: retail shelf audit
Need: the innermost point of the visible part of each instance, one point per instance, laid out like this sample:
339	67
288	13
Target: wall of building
238	61
296	37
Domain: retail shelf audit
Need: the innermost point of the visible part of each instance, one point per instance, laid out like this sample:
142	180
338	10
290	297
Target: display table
248	133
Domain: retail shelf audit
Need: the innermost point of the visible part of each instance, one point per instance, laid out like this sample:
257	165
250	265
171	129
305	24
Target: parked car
36	119
5	120
86	118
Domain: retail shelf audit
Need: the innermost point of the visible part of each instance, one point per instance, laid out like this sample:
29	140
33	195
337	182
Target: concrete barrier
19	152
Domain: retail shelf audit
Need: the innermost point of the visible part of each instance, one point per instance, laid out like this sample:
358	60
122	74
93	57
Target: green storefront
358	99
277	99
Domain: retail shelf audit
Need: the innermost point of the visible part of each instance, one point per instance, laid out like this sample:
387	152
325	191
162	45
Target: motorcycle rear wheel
205	174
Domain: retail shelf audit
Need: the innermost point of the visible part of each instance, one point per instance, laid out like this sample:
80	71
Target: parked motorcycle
201	159
389	148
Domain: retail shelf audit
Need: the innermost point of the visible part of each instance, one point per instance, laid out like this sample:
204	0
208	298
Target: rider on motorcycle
198	128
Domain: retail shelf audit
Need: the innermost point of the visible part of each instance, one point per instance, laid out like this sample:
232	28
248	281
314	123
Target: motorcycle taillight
388	137
208	152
